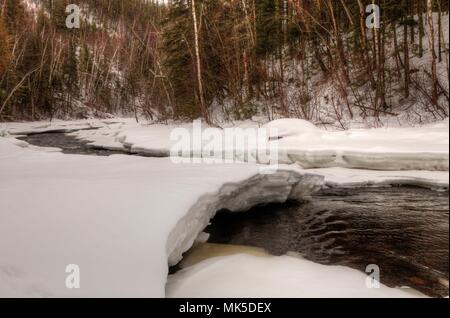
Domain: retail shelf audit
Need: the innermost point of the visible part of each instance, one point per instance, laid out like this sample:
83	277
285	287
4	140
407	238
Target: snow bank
343	177
306	144
237	197
394	149
262	276
56	126
118	218
292	127
418	148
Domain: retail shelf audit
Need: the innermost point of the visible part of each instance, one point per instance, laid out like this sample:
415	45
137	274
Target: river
403	230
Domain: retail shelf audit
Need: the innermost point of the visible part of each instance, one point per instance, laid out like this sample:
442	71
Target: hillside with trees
225	60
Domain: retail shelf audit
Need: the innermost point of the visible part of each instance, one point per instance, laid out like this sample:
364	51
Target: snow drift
265	276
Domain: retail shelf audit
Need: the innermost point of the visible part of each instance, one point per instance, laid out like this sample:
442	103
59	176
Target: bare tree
434	92
199	67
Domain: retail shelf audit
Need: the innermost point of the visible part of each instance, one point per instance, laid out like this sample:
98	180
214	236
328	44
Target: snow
236	197
119	218
395	149
289	127
418	148
343	177
61	126
258	275
388	149
399	155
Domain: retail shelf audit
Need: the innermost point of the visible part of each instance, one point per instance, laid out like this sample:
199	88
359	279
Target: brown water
403	230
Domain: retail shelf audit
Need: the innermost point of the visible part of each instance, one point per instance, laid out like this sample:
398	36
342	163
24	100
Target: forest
224	60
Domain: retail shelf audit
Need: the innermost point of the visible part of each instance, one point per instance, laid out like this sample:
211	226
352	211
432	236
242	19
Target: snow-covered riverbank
122	218
410	148
251	272
119	218
393	149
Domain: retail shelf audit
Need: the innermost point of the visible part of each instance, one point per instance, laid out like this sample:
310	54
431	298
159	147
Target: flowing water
68	144
403	230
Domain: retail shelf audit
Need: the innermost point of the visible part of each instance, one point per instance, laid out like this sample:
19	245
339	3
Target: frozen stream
68	144
404	230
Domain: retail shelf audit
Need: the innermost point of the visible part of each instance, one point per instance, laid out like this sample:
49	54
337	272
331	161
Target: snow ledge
237	197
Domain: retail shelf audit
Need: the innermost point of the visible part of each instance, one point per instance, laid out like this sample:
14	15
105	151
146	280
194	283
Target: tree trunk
198	63
434	93
439	30
365	47
406	57
421	28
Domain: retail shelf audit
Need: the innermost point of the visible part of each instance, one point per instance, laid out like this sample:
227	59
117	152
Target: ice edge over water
237	197
280	187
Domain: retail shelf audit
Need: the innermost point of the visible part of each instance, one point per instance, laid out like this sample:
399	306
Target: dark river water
68	144
403	230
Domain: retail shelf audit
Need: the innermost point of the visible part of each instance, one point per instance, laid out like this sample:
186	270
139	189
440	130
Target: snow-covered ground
259	275
119	218
24	128
122	219
418	148
343	177
416	155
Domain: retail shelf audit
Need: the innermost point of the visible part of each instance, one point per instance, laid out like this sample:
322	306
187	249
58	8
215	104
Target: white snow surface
119	218
299	141
385	149
256	276
417	148
24	128
343	177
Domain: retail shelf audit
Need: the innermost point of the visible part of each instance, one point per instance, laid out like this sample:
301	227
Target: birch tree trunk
199	67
